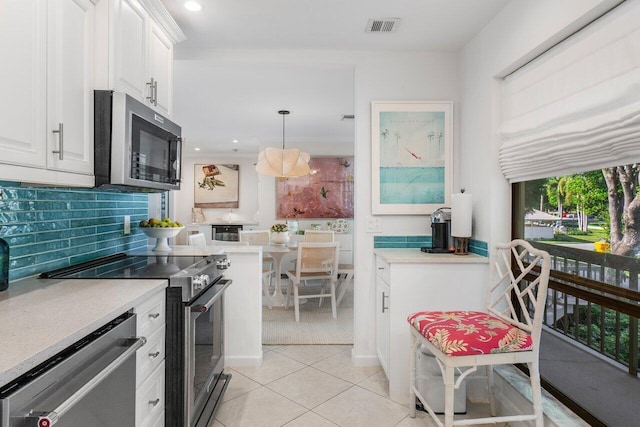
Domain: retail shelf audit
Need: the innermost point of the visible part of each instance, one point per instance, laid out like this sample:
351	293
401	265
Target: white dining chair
314	262
258	238
506	332
318	236
197	239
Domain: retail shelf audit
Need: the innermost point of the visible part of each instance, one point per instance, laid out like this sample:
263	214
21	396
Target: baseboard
239	361
364	359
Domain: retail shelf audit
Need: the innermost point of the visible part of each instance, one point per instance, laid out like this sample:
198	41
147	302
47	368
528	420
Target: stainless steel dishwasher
91	383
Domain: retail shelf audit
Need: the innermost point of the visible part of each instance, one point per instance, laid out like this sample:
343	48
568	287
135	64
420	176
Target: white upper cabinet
161	66
135	42
46	84
70	86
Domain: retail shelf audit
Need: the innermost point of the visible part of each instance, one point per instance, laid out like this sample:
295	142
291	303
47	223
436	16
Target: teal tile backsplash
475	246
49	228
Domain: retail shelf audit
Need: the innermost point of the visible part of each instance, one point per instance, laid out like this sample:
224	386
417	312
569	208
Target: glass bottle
4	265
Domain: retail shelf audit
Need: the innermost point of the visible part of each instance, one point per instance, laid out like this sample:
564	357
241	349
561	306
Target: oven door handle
203	308
197	309
49	418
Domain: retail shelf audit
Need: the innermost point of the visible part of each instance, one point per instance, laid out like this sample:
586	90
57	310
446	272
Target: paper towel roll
461	215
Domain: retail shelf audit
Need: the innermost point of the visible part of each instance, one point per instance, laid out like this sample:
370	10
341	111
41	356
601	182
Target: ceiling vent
382	25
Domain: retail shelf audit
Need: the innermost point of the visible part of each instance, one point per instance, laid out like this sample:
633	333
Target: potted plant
279	234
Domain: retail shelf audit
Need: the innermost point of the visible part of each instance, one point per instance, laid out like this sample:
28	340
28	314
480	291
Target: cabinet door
70	86
128	33
23	79
161	68
383	323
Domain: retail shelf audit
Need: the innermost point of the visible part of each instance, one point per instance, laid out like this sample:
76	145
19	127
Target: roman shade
577	106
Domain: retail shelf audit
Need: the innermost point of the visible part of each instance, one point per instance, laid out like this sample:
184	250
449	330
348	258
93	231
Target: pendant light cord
284	113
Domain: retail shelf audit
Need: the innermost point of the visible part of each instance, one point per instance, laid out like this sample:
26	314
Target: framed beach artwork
411	156
216	186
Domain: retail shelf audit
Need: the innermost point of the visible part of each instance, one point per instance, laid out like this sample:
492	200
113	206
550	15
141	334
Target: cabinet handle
60	150
154	315
155	92
154	402
383	297
153	85
154	355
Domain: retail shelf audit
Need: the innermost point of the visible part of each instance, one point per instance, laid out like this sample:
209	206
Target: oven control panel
200	281
223	263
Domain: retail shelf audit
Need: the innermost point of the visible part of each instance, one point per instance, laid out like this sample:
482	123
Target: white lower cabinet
403	288
150	357
382	323
150	398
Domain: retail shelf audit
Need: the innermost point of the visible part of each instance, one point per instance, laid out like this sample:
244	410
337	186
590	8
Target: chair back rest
508	295
255	237
197	239
318	236
318	258
228	243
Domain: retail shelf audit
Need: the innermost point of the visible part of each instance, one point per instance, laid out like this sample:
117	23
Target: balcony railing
593	299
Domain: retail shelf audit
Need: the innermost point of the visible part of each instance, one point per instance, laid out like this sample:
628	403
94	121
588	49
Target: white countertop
415	256
187	250
39	318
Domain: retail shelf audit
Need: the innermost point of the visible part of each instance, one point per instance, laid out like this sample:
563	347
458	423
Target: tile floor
312	386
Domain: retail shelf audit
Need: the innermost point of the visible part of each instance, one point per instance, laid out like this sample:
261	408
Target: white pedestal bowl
161	234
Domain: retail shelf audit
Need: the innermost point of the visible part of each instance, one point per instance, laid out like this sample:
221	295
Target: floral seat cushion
462	333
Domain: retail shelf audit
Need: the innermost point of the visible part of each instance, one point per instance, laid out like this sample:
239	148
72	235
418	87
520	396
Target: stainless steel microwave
136	149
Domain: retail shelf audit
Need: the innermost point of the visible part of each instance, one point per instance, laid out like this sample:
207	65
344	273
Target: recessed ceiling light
235	141
193	6
197	149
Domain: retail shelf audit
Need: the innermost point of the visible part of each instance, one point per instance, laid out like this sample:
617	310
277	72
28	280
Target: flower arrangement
279	228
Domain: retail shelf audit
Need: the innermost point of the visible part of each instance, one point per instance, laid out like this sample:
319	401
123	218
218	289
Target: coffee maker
440	232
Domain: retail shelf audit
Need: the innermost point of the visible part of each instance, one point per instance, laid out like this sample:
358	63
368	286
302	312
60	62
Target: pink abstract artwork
327	192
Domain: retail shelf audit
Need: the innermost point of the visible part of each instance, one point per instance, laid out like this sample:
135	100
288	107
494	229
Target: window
590	224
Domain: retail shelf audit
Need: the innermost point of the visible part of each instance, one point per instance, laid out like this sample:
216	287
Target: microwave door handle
180	142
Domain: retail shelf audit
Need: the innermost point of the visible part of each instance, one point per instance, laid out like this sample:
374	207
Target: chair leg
492	395
334	310
449	384
536	392
412	376
286	304
296	301
266	283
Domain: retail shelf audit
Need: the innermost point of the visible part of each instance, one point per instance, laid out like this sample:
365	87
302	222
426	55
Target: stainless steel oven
204	361
92	382
194	361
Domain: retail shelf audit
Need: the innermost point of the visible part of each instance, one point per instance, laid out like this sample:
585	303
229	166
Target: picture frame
411	154
216	186
327	192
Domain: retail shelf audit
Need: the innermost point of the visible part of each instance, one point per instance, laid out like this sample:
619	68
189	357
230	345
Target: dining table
278	253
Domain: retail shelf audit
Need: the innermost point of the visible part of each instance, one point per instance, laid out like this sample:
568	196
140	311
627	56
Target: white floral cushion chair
507	332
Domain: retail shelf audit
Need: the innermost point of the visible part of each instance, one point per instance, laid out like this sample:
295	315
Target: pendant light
283	163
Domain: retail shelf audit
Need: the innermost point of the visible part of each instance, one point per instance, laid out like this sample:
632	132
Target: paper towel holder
460	244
